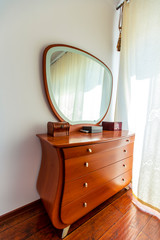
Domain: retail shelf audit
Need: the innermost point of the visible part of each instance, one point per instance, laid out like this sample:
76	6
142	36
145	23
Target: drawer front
77	167
95	148
94	180
78	208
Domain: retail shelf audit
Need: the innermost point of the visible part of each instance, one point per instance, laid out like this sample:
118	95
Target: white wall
26	28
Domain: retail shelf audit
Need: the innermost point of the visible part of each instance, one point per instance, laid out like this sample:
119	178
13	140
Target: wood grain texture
142	236
94	180
96	226
71	212
14	217
129	226
153	227
50	182
75	167
96	210
80	139
24	230
104	219
96	148
124	203
46	233
55	173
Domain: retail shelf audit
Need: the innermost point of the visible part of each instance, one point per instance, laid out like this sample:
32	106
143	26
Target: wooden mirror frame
76	126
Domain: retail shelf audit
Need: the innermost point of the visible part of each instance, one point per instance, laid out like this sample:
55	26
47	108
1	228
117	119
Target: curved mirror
79	85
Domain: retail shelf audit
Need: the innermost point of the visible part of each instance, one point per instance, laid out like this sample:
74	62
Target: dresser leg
65	231
127	187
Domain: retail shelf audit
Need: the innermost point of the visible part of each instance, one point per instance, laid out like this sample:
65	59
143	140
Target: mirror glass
78	85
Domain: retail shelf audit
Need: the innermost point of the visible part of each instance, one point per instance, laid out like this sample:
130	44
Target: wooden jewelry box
57	129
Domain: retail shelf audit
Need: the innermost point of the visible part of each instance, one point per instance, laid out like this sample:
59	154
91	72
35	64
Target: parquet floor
117	218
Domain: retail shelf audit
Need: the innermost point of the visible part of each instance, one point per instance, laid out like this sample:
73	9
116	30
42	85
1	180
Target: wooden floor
117	218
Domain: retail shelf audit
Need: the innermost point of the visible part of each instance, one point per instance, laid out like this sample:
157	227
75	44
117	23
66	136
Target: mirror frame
46	85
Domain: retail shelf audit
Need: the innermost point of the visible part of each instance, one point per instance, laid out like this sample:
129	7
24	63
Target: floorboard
142	236
152	228
117	218
96	226
21	217
129	226
124	203
27	228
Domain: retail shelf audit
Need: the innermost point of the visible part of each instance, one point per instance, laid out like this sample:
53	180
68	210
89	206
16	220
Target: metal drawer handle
89	150
86	184
86	164
124	165
123	179
84	204
125	150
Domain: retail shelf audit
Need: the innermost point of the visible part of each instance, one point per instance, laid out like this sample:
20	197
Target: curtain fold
75	80
138	94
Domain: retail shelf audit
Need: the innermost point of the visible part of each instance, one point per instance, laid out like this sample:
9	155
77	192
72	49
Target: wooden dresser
80	171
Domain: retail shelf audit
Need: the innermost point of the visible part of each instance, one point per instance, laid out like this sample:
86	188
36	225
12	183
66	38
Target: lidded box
112	126
57	129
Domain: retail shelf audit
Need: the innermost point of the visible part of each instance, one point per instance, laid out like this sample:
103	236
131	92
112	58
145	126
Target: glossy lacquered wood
117	218
103	171
50	182
82	139
94	180
95	148
76	167
76	209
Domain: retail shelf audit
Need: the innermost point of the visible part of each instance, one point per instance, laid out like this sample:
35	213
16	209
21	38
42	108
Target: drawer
93	180
77	167
95	148
78	208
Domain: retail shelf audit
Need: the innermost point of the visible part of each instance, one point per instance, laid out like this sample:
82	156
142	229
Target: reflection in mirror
79	86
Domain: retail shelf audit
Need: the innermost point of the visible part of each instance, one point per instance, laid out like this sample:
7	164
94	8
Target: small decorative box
93	129
112	126
57	129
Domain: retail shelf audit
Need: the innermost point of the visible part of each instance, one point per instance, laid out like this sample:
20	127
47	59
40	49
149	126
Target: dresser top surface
79	138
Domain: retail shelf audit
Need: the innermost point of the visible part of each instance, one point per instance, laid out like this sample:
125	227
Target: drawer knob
89	150
124	165
125	150
84	204
86	184
123	179
127	140
86	164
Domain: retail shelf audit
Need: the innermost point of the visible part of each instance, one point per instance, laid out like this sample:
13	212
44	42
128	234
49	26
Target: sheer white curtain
75	81
138	95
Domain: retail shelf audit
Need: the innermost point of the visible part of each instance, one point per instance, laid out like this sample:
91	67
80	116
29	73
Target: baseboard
19	210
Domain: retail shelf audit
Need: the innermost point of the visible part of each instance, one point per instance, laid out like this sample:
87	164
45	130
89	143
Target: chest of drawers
80	171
